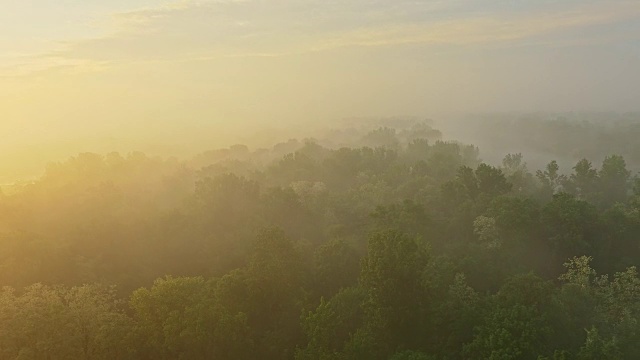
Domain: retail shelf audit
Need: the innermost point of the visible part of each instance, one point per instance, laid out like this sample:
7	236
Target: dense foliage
400	247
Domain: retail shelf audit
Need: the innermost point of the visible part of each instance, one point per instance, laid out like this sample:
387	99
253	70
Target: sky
163	76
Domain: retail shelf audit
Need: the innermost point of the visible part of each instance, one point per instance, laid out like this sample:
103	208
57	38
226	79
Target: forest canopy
376	241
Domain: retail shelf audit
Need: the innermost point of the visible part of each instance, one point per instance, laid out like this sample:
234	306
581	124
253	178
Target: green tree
270	291
337	266
550	180
332	325
516	325
398	301
64	323
583	182
381	137
180	318
457	313
571	226
411	355
491	180
614	180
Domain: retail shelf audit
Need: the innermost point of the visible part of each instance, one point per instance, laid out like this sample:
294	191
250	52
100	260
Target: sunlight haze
120	75
319	179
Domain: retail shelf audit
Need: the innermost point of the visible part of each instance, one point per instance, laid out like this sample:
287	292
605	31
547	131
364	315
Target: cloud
205	30
484	29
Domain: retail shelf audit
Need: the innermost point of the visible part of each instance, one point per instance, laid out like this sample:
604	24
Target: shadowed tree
614	180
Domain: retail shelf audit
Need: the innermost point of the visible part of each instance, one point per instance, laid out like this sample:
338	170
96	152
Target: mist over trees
564	137
378	240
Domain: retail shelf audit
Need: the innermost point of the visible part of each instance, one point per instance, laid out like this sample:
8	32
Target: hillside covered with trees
387	244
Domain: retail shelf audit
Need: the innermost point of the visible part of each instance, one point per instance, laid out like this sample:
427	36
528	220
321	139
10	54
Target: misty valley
319	180
379	239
